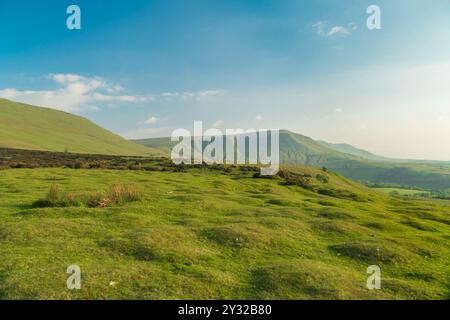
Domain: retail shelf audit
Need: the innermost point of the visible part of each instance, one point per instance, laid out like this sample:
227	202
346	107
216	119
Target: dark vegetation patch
327	203
420	276
278	202
19	159
375	225
370	252
296	179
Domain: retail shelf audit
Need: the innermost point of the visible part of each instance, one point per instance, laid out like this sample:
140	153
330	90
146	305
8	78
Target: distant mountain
294	149
349	149
37	128
349	161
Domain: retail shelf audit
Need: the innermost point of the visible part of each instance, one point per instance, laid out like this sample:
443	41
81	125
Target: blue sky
144	68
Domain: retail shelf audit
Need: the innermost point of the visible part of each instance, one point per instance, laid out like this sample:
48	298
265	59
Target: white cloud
259	118
76	93
339	110
338	30
322	29
64	78
151	120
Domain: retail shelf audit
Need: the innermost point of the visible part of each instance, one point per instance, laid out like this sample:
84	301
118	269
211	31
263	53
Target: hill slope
28	127
349	149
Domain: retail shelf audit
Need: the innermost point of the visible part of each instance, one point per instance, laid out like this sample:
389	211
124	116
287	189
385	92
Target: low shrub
322	178
295	179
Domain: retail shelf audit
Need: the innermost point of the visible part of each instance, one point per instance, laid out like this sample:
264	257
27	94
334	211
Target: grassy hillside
28	127
349	149
356	164
205	233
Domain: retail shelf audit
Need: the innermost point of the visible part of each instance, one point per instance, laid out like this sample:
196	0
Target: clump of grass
56	198
116	194
120	193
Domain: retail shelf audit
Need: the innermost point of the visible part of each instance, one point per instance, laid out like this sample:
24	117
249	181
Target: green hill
351	162
294	149
349	149
37	128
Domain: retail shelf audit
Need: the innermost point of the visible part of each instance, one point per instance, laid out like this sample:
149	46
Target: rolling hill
349	149
356	164
37	128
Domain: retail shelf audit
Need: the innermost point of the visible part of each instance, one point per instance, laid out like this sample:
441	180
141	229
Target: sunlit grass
205	234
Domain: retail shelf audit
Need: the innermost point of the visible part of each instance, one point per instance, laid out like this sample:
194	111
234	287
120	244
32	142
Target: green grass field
205	234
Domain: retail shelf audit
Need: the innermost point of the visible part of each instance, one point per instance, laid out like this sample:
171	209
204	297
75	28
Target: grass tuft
117	194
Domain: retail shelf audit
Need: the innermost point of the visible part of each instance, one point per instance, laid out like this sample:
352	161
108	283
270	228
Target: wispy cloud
324	29
151	120
79	93
75	93
185	95
338	30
